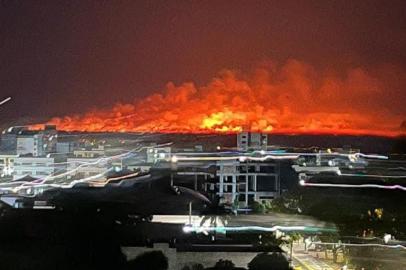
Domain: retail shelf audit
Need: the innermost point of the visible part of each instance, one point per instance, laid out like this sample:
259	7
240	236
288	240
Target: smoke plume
290	98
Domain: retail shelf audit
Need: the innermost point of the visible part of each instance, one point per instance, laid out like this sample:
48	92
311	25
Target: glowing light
241	158
223	229
361	245
187	229
373	175
44	182
357	155
387	237
5	101
392	187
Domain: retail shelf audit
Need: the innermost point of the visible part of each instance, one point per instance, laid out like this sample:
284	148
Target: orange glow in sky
289	98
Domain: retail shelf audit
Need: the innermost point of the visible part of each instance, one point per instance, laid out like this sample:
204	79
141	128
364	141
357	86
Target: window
265	183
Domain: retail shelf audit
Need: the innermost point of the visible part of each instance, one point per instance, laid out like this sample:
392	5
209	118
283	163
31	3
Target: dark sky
63	57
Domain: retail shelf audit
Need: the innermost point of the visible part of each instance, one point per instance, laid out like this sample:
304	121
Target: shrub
258	207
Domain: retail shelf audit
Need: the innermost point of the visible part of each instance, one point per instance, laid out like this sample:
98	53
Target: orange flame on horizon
292	98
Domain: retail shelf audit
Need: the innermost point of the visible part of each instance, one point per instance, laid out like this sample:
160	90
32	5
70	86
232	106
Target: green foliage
258	207
329	237
262	207
268	205
235	204
276	205
294	236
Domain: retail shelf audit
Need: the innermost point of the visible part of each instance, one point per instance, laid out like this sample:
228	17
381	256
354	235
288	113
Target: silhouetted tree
269	261
149	260
224	265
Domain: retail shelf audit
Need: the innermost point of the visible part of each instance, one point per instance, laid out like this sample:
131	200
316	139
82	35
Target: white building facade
252	141
247	181
37	167
30	144
80	168
7	165
90	153
156	154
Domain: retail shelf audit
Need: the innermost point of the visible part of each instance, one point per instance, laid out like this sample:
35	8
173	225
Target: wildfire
292	98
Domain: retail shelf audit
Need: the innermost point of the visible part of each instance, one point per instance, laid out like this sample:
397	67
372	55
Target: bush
258	207
262	207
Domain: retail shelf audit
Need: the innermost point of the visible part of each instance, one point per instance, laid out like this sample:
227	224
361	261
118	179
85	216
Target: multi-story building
90	152
156	154
252	141
139	167
8	142
247	181
65	147
79	168
232	180
37	167
7	164
22	141
50	138
37	143
30	143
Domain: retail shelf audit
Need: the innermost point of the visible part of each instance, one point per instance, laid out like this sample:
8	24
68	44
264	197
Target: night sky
65	57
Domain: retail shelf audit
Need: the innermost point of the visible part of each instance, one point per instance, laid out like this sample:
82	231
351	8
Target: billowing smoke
289	98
